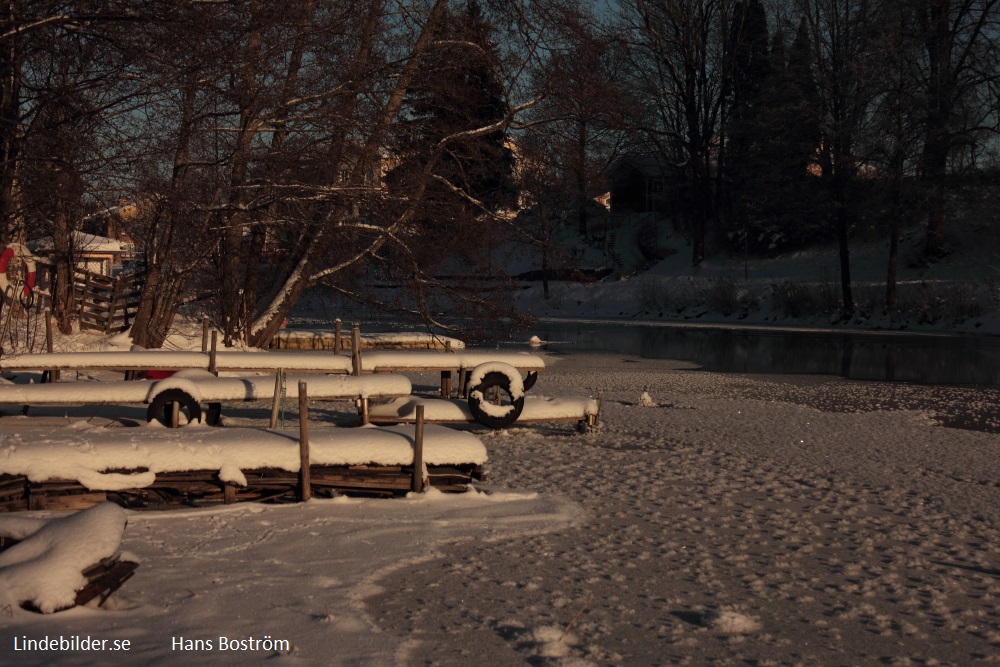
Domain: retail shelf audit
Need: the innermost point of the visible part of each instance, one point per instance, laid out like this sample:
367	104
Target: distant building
97	254
645	183
113	222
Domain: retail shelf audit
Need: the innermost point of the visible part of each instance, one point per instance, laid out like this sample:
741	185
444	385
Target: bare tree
843	35
63	81
961	60
679	55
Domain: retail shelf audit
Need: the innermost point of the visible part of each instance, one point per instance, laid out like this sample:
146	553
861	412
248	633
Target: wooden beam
213	366
356	348
418	452
305	490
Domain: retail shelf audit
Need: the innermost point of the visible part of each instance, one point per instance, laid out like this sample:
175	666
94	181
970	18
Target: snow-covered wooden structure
157	467
48	565
374	375
192	387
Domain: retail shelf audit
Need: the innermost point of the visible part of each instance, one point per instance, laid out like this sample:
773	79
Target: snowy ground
741	520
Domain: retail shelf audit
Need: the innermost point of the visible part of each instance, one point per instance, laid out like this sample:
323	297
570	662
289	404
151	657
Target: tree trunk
581	178
935	161
940	100
233	302
301	276
890	281
843	224
160	295
545	271
62	296
10	129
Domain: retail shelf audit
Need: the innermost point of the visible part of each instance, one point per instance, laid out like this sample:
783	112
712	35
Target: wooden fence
104	303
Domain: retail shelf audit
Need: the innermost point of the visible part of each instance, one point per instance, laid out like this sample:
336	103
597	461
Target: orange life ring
16	250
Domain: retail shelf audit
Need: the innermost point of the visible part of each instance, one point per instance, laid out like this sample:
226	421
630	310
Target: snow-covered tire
160	407
214	414
495	416
530	379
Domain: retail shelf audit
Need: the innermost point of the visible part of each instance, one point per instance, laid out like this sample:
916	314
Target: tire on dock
487	414
161	407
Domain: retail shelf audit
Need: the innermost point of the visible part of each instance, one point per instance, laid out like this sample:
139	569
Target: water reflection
903	358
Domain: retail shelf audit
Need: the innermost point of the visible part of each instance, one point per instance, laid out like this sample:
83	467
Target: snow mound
729	622
645	400
46	569
554	642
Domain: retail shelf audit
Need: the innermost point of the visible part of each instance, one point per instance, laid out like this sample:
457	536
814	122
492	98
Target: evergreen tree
788	166
748	119
458	90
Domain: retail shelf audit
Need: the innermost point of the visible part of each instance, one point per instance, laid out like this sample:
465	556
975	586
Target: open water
891	356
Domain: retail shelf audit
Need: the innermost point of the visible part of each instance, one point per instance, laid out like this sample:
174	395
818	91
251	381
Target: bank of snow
959	293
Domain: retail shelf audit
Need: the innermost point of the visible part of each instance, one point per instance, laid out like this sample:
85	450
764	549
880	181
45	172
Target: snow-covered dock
203	387
298	339
378	361
394	361
455	411
137	466
175	360
192	387
195	380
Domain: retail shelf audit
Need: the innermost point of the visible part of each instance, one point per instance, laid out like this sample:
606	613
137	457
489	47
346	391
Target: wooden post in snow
305	483
279	384
213	366
337	330
48	331
417	485
115	295
356	349
446	375
53	373
204	333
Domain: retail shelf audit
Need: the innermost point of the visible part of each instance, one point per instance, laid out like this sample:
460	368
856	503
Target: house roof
648	164
84	242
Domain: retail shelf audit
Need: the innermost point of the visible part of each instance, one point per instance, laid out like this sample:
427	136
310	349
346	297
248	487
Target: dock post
356	349
417	485
337	326
279	386
213	366
305	483
54	373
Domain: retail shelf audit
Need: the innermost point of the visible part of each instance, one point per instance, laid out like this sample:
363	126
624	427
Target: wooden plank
418	453
104	579
72	501
305	489
20	505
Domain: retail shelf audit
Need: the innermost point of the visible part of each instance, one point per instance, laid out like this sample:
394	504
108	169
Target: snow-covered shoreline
780	520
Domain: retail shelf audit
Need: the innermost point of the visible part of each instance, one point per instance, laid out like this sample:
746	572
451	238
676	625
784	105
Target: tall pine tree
747	118
458	90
